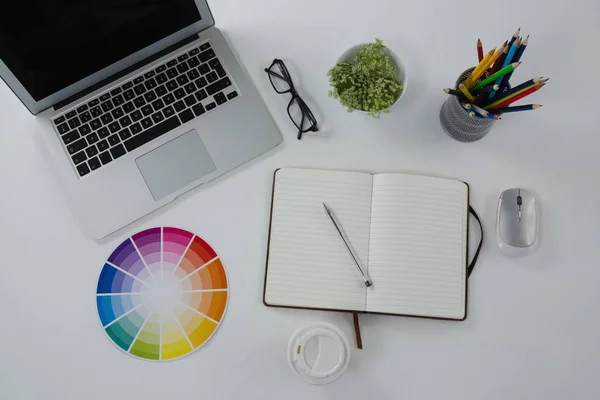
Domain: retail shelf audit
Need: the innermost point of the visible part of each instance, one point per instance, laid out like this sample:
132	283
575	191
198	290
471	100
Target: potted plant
367	77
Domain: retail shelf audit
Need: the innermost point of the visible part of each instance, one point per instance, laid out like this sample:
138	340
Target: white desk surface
533	329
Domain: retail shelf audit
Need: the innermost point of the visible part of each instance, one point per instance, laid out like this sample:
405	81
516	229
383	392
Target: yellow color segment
174	342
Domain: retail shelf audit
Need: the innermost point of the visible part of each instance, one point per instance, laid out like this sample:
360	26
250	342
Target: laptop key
218	86
214	63
172	62
193	52
207	55
147	110
107	106
190	88
116	91
96	111
105	97
71	114
172	85
211	106
201	82
139	102
128	107
179	106
158	104
182	79
84	130
77	146
150	96
157	117
117	151
168	99
135	128
137	80
139	89
198	109
106	119
136	115
186	116
220	98
150	84
220	71
118	100
117	113
70	137
96	124
158	130
82	108
172	73
125	121
168	111
149	74
205	46
59	120
183	67
193	62
190	100
161	68
83	169
74	123
161	78
114	127
179	93
103	133
211	77
113	140
232	95
146	122
128	85
93	138
102	145
193	74
63	128
125	134
201	94
91	151
78	158
129	94
85	117
161	90
94	103
182	57
94	163
105	158
204	69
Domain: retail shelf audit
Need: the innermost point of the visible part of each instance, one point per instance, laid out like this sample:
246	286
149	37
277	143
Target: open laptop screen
51	44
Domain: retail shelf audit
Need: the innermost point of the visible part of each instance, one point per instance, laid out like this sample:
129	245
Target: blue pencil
517	88
507	60
518	56
514	37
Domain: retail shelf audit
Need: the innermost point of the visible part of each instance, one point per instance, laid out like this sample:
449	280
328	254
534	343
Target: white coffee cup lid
319	353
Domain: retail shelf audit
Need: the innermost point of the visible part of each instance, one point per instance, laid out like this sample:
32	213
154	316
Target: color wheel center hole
163	295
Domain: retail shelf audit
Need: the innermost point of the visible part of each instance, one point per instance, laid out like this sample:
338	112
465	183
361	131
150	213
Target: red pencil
496	67
479	50
508	102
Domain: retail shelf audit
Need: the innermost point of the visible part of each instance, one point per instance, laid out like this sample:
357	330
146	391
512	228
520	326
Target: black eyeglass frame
304	109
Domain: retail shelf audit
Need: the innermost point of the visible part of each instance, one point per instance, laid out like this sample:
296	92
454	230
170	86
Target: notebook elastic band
472	264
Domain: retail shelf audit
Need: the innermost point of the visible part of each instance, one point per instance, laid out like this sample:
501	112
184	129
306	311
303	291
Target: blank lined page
417	254
308	265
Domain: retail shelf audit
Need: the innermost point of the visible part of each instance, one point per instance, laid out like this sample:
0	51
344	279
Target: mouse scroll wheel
519	200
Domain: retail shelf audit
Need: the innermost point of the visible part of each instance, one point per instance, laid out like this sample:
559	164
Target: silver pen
337	227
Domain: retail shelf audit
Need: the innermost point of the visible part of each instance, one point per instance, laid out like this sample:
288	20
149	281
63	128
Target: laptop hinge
126	71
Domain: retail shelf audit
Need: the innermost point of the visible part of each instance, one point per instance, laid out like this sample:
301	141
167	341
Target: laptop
139	101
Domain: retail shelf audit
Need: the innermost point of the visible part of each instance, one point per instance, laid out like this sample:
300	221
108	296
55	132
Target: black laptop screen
51	44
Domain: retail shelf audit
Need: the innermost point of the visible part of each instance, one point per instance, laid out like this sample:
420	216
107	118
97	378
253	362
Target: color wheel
162	294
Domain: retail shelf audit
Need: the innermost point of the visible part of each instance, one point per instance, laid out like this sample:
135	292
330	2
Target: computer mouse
517	222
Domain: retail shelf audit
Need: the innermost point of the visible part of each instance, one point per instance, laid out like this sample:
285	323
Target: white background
534	323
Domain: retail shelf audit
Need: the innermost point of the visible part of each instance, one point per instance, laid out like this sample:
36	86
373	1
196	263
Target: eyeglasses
297	109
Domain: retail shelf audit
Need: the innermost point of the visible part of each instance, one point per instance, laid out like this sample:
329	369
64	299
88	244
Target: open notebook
409	232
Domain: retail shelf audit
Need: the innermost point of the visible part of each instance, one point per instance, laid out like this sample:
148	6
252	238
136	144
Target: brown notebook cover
351	267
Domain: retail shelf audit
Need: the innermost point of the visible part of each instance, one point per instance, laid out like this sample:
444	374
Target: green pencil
509	68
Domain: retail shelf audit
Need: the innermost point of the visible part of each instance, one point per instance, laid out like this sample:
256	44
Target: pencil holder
456	121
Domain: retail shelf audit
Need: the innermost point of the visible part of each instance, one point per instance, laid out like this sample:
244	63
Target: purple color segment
148	242
127	258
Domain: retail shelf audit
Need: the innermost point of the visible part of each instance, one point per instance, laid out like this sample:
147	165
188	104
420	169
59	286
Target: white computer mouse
517	222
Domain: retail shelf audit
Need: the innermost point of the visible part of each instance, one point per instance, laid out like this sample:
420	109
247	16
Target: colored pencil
517	58
464	91
507	61
525	107
515	36
482	67
456	93
505	102
486	89
480	111
498	64
466	106
497	76
479	50
524	85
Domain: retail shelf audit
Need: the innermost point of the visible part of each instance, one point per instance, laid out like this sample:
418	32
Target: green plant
369	84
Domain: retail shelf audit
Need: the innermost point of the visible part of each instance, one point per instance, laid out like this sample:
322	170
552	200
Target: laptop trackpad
175	164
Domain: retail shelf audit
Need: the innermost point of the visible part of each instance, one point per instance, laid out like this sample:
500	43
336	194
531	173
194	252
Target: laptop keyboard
144	108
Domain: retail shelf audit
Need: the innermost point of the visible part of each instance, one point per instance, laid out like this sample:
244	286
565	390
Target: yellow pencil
478	72
464	91
480	65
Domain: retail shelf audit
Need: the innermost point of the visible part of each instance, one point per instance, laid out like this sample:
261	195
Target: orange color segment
197	255
211	304
210	277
